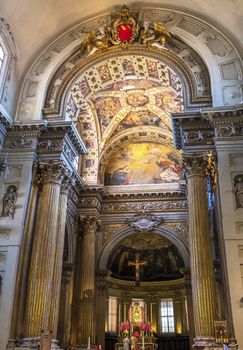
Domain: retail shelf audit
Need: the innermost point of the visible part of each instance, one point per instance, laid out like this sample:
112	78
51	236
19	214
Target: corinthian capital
90	224
68	182
200	164
51	171
195	164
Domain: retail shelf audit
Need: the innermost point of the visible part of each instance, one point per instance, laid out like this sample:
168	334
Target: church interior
121	175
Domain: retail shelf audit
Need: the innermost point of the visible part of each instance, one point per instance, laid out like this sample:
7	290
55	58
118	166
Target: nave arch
217	47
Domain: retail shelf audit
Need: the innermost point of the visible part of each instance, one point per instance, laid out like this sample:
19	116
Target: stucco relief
238	190
140	206
109	230
180	227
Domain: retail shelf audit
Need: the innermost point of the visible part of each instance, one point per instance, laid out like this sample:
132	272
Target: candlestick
143	342
88	342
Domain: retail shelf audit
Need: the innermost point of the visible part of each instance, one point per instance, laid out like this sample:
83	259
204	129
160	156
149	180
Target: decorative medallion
124	27
144	222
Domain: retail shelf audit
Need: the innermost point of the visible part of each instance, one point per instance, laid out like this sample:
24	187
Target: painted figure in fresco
120	176
126	343
173	262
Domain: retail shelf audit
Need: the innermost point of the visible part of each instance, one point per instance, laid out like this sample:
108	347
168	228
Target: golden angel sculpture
160	35
93	42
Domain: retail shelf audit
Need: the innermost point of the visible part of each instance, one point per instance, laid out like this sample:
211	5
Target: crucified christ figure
137	265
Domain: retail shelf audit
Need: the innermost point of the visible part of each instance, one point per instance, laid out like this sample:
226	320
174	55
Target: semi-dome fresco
143	163
160	260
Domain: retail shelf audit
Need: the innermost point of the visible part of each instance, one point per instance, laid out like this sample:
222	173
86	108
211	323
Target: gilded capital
195	164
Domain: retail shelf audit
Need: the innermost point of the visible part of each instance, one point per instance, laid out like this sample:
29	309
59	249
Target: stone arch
218	47
164	231
196	92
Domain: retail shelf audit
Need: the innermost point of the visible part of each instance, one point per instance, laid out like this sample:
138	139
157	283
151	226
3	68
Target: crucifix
137	265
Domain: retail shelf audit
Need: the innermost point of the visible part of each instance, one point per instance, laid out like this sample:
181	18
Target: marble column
40	282
87	319
201	260
57	272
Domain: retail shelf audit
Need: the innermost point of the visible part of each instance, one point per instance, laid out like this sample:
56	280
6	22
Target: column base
30	343
209	343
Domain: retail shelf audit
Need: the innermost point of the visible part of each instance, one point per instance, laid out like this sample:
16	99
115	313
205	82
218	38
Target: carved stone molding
61	141
24	137
227	122
144	222
148	205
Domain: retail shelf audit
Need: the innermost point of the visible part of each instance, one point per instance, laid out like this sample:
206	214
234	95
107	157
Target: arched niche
163	231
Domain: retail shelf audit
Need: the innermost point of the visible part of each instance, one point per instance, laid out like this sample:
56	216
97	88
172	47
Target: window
112	314
167	316
1	57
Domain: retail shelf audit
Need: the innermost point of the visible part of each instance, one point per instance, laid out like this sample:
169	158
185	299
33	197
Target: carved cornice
227	122
61	138
146	286
99	199
191	130
24	136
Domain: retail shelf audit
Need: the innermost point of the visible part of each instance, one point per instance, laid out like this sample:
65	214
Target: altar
147	346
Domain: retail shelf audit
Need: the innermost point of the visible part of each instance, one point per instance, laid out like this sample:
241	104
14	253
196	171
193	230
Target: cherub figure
161	35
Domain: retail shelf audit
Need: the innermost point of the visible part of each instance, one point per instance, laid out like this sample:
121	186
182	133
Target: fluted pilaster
86	326
64	324
102	305
201	260
50	175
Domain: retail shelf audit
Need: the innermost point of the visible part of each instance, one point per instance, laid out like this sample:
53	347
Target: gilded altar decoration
136	313
221	332
124	30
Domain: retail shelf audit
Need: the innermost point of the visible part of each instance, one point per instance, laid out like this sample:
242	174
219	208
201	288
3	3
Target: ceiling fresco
161	259
126	104
123	96
143	163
